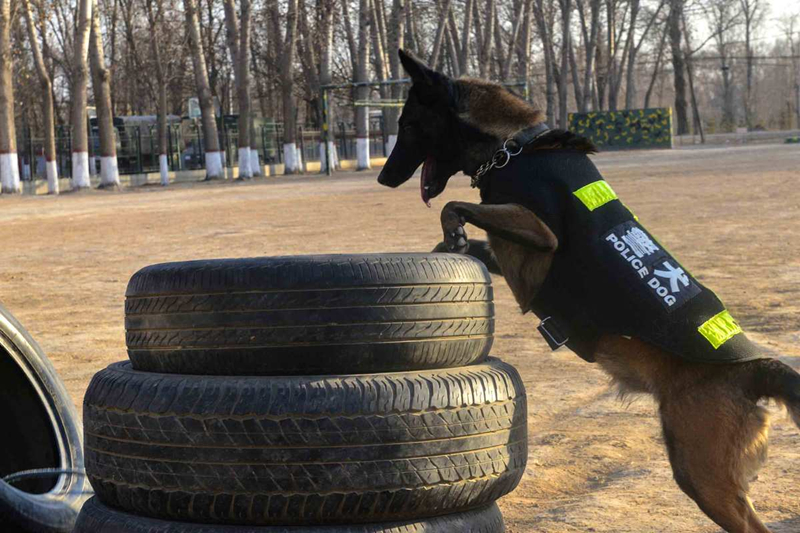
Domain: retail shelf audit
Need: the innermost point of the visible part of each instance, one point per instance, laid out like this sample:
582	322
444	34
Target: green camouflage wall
625	130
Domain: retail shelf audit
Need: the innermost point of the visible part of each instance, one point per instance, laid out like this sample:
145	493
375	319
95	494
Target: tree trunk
48	118
396	71
463	58
488	40
156	19
287	46
678	65
566	44
524	49
214	168
238	41
656	68
440	33
630	82
362	91
109	173
80	81
328	151
590	42
243	97
547	46
9	164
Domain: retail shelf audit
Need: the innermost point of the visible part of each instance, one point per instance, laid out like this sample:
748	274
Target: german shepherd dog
715	431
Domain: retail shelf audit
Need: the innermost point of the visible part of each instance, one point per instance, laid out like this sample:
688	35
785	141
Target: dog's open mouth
428	187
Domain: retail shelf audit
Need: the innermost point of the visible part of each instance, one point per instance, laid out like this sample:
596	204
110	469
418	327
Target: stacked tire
328	394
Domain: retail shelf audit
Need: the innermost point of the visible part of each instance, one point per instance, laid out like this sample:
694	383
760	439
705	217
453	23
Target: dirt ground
731	215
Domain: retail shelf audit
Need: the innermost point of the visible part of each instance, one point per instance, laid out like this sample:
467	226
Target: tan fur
495	110
716	437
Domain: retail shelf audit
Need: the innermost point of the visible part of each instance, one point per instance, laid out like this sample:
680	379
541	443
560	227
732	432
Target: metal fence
137	146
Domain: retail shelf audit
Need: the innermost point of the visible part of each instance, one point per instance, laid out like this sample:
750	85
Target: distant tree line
712	61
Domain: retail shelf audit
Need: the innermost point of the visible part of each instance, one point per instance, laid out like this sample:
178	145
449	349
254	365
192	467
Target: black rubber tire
97	518
305	450
41	430
324	314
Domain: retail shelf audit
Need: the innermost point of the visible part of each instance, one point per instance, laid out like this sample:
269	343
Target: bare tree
9	164
723	15
540	12
362	89
678	64
396	35
80	81
214	168
657	66
155	17
790	24
590	34
48	114
238	41
566	45
753	15
284	48
441	28
109	172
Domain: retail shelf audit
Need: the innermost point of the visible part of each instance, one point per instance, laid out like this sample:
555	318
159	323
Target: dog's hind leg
717	440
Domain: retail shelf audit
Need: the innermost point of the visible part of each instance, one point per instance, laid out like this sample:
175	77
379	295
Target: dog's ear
431	86
420	72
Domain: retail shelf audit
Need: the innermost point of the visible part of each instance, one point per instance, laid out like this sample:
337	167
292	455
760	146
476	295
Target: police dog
715	431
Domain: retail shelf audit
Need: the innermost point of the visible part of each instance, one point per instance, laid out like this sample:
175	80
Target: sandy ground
732	216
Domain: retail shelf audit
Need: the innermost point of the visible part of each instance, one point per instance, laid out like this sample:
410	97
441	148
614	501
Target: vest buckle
552	334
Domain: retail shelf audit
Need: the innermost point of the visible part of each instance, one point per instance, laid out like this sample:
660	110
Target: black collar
511	147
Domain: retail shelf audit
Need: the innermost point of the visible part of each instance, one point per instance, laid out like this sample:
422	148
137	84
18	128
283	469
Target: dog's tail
777	381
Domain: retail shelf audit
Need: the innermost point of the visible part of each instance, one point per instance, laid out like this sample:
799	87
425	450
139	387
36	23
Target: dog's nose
381	178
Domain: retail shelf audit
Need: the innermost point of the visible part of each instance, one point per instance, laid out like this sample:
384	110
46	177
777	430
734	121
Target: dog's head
449	126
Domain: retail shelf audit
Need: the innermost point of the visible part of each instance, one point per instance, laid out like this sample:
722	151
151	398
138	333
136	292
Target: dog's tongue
428	170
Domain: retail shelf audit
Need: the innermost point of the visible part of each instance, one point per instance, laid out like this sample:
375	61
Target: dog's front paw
455	237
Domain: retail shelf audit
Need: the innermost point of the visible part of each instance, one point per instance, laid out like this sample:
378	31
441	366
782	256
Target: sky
778	9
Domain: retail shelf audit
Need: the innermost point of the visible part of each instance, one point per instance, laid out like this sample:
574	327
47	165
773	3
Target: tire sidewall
57	510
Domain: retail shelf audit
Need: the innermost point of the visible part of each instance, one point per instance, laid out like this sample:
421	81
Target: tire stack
326	394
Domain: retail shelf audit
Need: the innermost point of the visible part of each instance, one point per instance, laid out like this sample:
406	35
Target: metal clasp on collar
499	160
554	337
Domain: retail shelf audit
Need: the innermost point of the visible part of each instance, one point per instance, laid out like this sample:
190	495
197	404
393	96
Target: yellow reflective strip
595	194
719	328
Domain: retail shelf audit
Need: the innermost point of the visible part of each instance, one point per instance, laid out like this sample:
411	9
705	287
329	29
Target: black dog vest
609	274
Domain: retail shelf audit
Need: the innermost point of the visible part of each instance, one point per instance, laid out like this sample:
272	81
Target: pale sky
778	9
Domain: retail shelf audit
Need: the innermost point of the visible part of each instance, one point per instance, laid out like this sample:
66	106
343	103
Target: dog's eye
407	126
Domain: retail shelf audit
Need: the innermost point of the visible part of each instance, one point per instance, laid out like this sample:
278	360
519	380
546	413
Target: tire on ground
42	431
326	314
97	518
308	449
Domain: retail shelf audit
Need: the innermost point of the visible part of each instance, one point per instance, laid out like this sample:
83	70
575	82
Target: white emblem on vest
674	275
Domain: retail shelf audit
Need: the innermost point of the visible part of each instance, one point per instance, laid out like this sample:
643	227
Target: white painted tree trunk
390	142
163	167
245	172
362	154
255	163
109	171
80	170
291	158
51	170
9	173
332	156
214	168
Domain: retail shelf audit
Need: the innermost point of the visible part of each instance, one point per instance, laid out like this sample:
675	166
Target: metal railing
137	147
